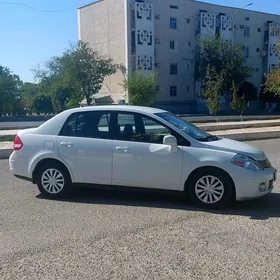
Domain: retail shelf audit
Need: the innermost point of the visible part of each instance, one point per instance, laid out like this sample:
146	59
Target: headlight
246	162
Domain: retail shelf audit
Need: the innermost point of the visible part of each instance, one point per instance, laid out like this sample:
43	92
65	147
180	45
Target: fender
47	155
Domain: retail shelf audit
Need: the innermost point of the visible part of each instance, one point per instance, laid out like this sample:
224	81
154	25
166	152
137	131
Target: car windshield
187	127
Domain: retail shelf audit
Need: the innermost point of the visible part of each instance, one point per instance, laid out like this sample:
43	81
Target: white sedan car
139	147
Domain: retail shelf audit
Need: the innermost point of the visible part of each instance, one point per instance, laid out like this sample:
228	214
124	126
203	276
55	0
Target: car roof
129	108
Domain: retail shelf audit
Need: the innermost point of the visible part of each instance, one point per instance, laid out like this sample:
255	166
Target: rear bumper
250	184
19	166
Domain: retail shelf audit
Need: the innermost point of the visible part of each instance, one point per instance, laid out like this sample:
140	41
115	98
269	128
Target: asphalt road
136	235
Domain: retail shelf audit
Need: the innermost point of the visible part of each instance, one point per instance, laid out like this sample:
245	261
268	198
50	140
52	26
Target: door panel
81	146
139	157
146	165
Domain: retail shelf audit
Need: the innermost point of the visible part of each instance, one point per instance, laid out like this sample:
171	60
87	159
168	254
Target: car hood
229	145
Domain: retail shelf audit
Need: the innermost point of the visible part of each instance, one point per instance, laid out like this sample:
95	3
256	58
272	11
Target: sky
29	36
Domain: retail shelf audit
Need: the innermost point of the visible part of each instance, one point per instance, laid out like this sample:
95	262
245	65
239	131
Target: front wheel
211	188
53	180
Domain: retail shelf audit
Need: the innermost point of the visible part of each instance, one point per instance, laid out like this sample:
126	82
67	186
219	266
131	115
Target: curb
253	136
211	119
241	125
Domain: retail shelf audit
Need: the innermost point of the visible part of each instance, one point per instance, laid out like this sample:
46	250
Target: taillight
17	143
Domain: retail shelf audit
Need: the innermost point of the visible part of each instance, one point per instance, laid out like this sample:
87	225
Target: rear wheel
211	188
53	180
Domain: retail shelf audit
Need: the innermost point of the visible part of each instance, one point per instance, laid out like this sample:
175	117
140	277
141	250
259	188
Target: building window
173	23
246	52
173	69
246	31
190	44
259	29
247	18
173	91
157	41
258	50
187	88
257	69
173	45
157	65
174	7
188	20
157	16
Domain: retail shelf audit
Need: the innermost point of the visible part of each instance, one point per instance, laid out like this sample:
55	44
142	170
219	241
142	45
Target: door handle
122	149
68	144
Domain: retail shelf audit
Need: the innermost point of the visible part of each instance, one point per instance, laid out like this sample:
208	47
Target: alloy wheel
52	181
209	189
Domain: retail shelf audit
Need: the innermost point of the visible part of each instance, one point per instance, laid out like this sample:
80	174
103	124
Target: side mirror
171	141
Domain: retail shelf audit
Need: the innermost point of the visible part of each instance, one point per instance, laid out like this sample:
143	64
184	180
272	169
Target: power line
39	10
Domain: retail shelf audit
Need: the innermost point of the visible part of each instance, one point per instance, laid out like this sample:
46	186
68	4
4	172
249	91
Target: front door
139	157
85	144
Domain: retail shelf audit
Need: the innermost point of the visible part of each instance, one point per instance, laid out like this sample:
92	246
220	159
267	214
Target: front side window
140	128
188	128
90	124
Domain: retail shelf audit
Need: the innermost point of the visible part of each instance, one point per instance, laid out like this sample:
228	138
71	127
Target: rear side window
93	124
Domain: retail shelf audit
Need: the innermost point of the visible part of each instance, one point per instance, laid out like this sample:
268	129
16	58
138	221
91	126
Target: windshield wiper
209	138
212	138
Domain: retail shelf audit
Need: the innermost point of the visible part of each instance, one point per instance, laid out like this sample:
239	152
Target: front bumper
251	184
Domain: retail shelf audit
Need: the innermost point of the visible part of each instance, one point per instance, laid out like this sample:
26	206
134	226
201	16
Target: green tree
10	98
56	82
42	104
273	78
28	93
213	89
248	90
89	68
141	88
238	102
268	97
225	59
76	75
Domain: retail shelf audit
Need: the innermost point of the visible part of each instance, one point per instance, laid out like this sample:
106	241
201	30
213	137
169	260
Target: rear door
85	144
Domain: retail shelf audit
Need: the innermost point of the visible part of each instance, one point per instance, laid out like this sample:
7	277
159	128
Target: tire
217	196
53	180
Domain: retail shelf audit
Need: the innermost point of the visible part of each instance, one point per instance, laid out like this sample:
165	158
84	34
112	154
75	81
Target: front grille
264	164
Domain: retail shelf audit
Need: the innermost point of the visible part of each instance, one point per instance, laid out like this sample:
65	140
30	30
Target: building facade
162	35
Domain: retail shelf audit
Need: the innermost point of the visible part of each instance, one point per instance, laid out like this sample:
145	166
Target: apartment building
161	35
